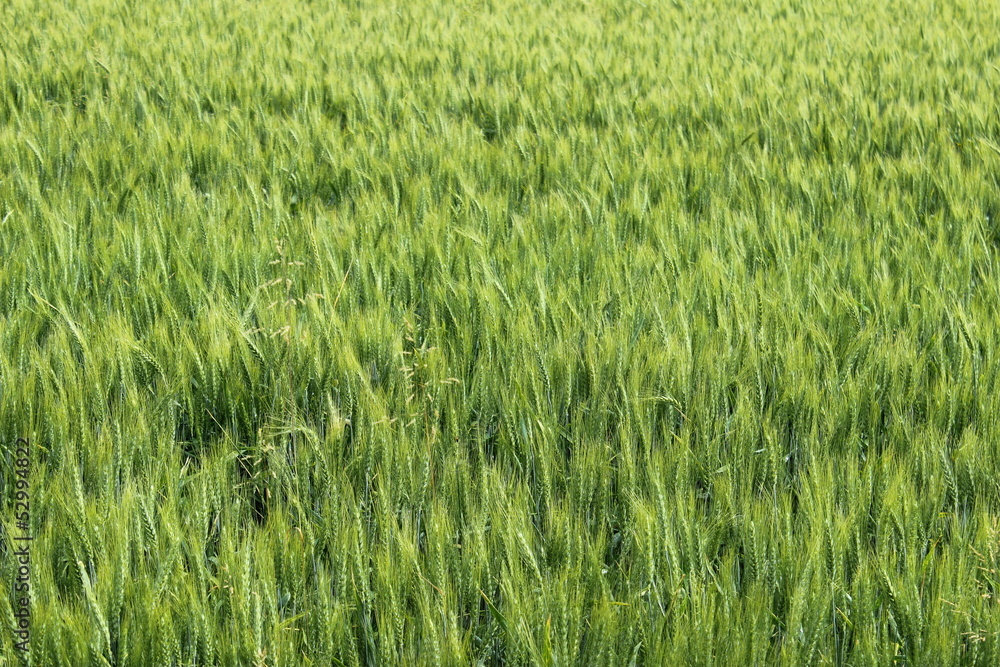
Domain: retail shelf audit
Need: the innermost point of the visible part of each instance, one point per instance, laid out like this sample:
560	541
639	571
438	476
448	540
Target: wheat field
503	332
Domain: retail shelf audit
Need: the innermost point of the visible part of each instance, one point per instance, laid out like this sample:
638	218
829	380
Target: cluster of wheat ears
502	332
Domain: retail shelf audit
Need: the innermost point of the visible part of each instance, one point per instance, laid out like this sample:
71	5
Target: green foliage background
503	332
